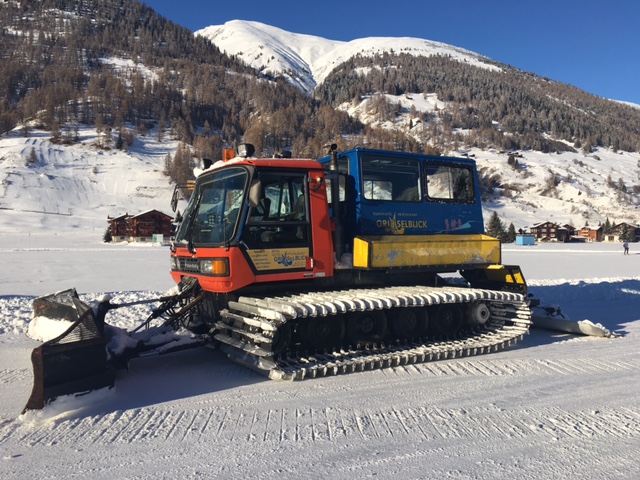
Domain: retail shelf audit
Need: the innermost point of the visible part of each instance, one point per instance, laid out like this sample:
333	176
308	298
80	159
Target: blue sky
591	44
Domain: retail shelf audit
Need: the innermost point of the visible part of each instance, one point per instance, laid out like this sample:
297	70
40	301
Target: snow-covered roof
142	214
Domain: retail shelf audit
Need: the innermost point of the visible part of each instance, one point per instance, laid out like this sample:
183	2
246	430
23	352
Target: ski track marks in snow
257	422
490	367
334	425
8	376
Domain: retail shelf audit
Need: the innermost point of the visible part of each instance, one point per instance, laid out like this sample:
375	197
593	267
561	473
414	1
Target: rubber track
247	327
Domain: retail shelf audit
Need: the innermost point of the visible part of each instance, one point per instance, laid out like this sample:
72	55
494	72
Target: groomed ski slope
554	406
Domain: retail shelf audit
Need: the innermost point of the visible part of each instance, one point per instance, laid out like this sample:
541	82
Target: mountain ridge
306	60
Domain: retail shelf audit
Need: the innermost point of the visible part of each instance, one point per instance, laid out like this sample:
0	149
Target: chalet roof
544	223
126	216
587	227
142	214
627	224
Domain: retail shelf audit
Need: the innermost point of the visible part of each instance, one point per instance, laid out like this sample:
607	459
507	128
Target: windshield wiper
192	221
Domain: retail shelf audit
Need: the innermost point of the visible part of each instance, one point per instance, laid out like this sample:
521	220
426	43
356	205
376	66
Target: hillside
118	70
505	107
75	187
46	187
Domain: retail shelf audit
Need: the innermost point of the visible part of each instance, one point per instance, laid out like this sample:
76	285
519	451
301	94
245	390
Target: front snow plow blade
74	362
87	354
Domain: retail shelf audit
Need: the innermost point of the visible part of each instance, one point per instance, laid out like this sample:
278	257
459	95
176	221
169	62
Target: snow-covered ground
553	406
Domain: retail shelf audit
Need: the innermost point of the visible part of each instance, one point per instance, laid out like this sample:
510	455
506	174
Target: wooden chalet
141	227
118	226
591	234
545	232
552	232
567	233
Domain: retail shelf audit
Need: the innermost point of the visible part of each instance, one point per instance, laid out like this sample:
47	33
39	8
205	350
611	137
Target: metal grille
190	265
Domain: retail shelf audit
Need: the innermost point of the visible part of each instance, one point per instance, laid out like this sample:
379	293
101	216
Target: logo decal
285	260
279	259
398	227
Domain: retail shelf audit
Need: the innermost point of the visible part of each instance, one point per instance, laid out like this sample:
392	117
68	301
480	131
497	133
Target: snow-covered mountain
569	187
306	60
52	186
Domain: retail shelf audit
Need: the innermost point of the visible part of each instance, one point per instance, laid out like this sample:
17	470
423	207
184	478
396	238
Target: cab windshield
213	213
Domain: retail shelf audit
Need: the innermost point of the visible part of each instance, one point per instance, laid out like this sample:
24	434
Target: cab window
217	210
394	179
281	215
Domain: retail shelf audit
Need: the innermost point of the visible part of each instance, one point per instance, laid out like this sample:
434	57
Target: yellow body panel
279	258
425	250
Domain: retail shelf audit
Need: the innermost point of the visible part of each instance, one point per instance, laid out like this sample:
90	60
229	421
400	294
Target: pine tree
106	238
628	234
495	227
167	165
511	234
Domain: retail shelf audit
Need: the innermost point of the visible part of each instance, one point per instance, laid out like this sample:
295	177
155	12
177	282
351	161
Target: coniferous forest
119	66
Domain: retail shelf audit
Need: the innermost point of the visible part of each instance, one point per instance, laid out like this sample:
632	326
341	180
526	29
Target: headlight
218	267
215	267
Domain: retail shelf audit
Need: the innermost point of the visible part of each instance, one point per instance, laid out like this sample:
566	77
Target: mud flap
76	361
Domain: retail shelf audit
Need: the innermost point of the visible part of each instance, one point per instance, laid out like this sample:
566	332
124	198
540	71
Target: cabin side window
281	215
391	179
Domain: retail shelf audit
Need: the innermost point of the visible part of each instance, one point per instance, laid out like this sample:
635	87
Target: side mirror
174	199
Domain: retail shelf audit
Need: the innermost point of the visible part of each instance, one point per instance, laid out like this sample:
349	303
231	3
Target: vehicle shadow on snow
166	378
613	304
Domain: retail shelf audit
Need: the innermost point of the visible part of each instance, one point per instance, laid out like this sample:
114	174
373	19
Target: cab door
277	230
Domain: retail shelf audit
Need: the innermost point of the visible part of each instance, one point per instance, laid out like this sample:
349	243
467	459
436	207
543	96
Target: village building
591	234
568	232
118	227
618	232
545	231
148	226
552	232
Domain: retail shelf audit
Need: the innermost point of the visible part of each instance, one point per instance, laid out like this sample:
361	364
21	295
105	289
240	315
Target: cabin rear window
453	183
